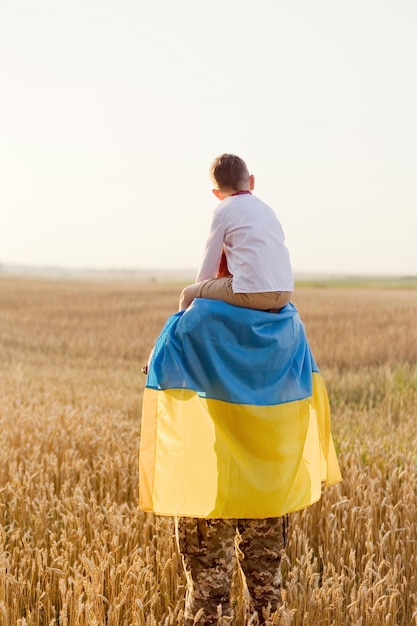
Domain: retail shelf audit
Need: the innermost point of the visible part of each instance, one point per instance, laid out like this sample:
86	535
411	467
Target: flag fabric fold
235	418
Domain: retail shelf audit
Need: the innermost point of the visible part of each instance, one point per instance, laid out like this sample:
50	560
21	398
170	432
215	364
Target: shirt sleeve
213	252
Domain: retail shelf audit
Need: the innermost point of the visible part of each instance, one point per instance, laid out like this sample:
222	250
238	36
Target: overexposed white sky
111	113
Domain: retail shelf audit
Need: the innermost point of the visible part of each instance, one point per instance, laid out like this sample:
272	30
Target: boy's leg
187	296
221	289
208	553
261	543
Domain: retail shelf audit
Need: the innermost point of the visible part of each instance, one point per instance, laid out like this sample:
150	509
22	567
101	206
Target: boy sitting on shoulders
245	262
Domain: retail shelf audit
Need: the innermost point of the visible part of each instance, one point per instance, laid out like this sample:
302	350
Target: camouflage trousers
212	550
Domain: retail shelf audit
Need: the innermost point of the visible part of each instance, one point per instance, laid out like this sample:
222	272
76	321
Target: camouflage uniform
210	550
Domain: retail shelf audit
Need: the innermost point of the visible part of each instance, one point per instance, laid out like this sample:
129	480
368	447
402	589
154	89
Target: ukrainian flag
235	419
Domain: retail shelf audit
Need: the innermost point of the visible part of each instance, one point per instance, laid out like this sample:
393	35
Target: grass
75	549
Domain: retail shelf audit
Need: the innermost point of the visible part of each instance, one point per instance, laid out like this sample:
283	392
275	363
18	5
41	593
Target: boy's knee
184	298
187	296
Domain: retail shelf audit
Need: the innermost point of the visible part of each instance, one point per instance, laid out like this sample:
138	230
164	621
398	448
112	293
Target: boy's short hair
229	171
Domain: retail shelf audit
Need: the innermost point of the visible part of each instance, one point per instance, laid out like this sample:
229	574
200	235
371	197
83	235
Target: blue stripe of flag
237	355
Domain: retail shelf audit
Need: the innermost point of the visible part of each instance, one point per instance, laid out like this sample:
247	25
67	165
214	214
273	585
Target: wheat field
75	550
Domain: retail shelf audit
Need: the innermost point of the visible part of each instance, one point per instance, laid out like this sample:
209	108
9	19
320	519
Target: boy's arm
213	252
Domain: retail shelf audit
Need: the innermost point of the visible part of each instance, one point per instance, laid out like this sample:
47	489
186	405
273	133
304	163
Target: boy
245	233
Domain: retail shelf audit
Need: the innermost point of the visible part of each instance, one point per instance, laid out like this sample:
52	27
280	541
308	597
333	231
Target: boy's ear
251	182
218	194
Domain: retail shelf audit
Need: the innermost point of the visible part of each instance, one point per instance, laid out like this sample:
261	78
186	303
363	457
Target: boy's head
229	174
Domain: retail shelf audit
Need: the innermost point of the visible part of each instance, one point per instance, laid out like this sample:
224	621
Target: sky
111	113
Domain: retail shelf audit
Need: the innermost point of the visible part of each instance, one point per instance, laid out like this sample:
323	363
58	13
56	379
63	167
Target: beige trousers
221	289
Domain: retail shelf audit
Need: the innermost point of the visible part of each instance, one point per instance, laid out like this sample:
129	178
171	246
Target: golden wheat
75	550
